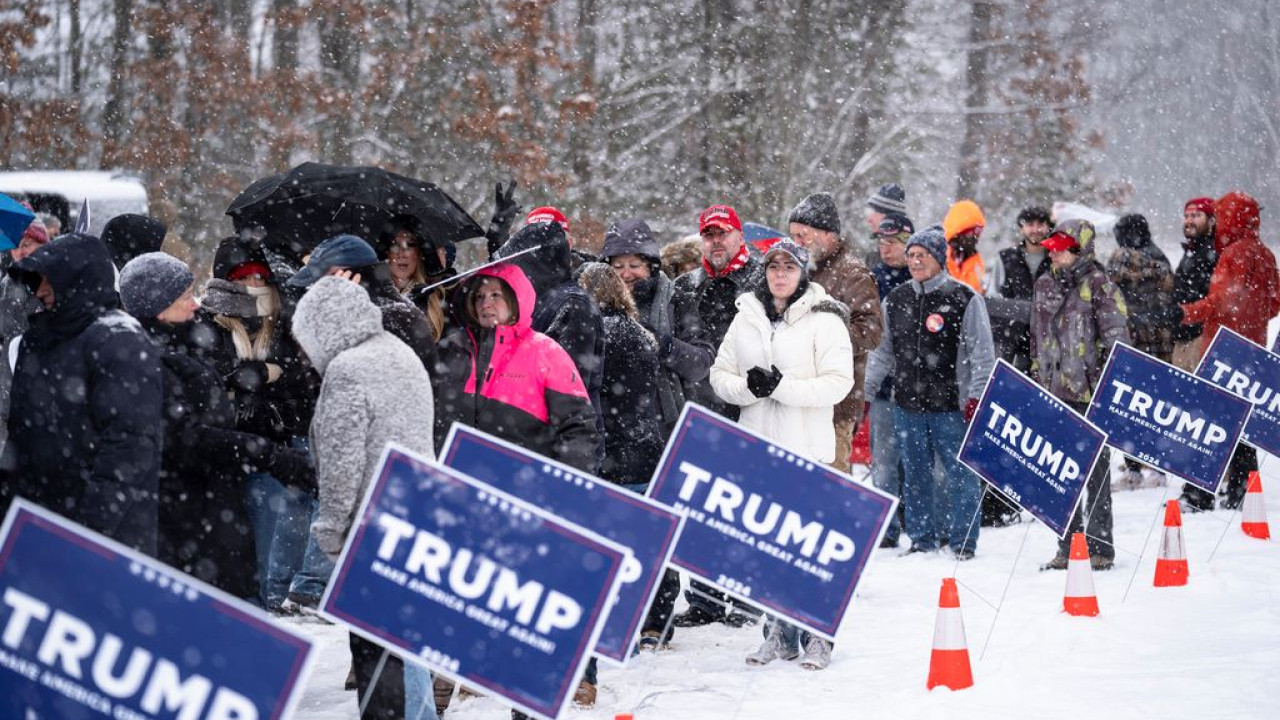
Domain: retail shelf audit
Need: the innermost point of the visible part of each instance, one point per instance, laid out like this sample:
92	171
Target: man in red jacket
1244	294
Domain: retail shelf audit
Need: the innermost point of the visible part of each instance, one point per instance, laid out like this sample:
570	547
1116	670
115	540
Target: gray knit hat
151	282
890	198
933	240
817	211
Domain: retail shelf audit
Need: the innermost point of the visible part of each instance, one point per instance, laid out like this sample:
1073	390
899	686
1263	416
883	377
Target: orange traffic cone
1254	519
1171	566
949	665
1080	598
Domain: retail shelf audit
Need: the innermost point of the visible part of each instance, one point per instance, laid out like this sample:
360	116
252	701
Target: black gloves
505	210
763	382
293	467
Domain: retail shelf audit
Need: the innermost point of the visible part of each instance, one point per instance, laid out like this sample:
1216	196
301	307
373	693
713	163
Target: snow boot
1100	563
772	649
695	617
817	654
585	697
1059	562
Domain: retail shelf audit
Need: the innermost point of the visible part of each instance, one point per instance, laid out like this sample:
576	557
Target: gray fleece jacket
375	391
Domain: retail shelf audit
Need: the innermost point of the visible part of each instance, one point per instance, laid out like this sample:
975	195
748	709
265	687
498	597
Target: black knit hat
817	211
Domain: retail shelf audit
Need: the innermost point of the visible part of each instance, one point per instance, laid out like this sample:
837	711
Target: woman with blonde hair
239	331
416	263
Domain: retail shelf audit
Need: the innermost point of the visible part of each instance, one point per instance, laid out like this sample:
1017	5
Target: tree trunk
285	48
977	82
76	46
114	111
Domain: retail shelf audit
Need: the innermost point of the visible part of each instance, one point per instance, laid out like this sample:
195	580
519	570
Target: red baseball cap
1058	242
547	214
719	216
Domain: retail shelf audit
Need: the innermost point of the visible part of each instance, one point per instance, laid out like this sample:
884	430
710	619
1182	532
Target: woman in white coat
786	361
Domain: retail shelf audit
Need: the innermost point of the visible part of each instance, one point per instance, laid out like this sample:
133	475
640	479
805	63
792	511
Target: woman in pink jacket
497	375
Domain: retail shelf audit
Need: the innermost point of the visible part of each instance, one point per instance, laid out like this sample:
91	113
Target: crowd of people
232	436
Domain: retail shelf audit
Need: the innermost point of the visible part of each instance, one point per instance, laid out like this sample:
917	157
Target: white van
61	193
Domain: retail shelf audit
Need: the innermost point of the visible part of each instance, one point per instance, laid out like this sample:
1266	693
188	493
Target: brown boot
350	684
442	688
586	695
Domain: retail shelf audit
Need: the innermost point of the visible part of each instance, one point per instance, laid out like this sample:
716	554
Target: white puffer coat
811	347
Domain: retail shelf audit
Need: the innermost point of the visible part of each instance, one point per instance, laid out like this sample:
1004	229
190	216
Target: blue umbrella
755	231
14	220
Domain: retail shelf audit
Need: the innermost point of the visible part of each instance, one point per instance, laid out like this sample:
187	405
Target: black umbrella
300	208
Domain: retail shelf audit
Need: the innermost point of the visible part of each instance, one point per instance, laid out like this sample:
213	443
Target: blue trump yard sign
93	629
766	524
635	522
1032	446
1166	417
474	583
1238	365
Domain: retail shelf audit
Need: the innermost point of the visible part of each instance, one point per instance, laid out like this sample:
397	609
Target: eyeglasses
917	255
401	248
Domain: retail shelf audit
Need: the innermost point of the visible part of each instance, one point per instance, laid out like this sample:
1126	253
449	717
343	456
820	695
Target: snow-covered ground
1208	650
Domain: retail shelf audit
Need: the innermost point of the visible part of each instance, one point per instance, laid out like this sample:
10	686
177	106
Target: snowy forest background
658	109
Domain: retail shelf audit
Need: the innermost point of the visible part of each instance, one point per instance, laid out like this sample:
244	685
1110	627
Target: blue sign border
599	613
1018	376
830	631
618	656
24	513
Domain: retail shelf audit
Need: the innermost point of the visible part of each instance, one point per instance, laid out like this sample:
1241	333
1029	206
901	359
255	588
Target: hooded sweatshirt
1244	291
85	417
515	383
374	391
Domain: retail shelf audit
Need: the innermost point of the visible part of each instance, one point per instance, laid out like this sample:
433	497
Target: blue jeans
922	438
886	465
793	638
281	518
419	693
313	577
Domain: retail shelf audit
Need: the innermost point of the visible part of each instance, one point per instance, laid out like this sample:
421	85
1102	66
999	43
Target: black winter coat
706	306
563	311
278	410
685	355
400	316
634	430
84	421
204	523
1191	282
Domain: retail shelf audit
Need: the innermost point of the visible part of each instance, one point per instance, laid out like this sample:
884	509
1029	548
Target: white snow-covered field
1210	650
